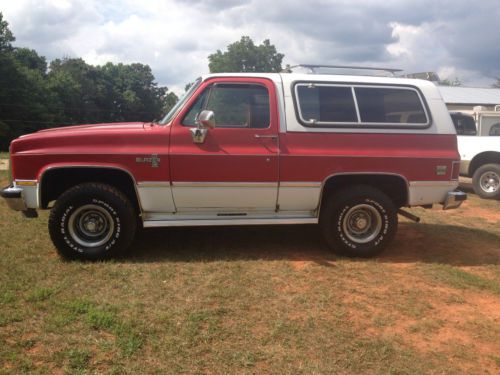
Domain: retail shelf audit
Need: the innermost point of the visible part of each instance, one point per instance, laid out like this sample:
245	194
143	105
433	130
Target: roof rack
429	76
313	68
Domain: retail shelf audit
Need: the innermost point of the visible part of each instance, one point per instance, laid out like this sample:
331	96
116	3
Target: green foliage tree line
35	95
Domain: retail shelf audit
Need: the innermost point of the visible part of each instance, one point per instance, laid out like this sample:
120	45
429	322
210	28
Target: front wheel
486	181
359	221
92	221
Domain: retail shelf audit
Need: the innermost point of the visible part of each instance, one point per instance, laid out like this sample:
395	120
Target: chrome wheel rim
362	223
489	182
91	226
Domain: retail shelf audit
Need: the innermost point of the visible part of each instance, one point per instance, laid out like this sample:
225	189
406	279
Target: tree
170	100
23	93
31	59
6	36
134	93
245	56
108	93
24	100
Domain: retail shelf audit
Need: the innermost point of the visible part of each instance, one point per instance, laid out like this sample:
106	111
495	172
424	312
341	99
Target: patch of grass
243	359
486	330
101	319
79	306
4	155
496	358
129	341
7	297
411	303
4	178
460	279
78	359
27	344
426	326
455	299
383	320
40	294
105	318
9	316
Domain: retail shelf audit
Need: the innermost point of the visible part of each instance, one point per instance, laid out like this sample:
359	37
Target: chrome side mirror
205	121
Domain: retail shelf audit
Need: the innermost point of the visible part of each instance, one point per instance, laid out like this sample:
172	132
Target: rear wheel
359	221
486	181
92	221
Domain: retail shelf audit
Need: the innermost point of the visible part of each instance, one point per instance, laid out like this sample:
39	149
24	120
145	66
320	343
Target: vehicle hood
73	139
95	127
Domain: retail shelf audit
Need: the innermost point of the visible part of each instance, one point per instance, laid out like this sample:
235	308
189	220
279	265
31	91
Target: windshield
170	115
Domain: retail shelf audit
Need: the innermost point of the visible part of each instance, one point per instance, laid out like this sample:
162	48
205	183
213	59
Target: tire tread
329	215
90	189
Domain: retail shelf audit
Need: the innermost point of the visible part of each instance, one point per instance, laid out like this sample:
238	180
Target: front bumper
14	198
454	199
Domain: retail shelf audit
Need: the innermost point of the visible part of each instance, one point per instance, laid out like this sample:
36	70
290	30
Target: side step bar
227	222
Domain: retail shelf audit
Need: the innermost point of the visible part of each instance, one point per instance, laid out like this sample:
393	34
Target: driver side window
234	106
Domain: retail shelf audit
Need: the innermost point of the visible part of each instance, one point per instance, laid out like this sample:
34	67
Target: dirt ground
4	164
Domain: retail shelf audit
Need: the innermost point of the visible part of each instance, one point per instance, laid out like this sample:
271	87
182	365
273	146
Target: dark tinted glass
495	129
388	105
234	105
326	104
464	125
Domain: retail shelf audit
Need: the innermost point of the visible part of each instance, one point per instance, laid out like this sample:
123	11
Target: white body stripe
29	194
293	197
212	196
155	197
428	192
299	196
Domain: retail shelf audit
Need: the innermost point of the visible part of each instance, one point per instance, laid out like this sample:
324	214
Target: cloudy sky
456	38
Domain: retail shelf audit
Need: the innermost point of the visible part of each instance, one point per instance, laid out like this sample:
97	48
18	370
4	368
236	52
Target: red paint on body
233	154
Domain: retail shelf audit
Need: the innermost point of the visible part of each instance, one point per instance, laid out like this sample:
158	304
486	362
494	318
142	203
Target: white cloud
176	37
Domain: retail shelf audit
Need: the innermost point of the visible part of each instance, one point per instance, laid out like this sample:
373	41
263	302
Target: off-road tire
92	221
486	181
359	221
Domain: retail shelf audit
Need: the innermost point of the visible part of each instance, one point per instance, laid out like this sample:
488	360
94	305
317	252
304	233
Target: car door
235	169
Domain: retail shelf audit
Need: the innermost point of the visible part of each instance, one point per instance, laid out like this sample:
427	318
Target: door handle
272	136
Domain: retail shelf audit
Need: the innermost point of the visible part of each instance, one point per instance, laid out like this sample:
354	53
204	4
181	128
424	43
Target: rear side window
327	104
344	105
390	105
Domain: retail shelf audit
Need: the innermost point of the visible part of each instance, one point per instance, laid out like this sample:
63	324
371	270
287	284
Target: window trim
359	124
211	86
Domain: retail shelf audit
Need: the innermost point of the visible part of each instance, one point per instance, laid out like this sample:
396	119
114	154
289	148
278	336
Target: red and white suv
343	151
